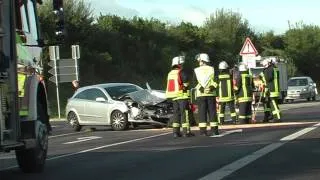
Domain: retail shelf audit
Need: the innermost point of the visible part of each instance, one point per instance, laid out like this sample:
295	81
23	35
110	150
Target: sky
263	15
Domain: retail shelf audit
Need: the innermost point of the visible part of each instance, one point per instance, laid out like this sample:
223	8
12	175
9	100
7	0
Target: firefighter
226	96
270	80
206	95
178	91
244	89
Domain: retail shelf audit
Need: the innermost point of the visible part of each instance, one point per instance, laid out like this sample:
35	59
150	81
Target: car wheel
314	98
119	121
73	121
308	99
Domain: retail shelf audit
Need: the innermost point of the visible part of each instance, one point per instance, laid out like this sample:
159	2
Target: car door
78	104
96	111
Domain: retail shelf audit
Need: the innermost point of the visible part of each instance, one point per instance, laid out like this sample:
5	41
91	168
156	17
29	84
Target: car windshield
297	82
117	91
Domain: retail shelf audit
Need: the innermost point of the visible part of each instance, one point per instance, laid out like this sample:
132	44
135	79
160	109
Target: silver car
117	105
301	88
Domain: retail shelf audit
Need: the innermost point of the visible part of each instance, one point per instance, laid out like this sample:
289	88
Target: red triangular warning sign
248	48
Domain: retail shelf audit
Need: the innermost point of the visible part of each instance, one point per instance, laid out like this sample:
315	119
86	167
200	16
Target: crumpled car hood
147	97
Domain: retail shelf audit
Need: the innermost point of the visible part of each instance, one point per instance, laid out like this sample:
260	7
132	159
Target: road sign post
75	49
63	70
54	56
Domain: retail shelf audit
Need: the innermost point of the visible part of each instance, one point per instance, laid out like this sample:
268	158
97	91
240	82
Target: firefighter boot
203	131
214	131
176	132
187	132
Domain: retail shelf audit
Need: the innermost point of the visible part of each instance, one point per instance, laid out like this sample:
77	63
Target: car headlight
304	89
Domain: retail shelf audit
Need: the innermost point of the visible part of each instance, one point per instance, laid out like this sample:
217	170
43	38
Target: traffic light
57	5
59	19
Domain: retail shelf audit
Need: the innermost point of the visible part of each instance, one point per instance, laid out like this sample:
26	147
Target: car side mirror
100	99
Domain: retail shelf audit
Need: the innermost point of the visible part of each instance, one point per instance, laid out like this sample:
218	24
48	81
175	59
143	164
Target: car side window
93	94
82	95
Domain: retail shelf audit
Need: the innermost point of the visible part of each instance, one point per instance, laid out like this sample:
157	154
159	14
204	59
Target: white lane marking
82	139
67	134
238	164
228	132
108	145
96	148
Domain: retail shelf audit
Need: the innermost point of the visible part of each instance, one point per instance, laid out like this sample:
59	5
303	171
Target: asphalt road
287	150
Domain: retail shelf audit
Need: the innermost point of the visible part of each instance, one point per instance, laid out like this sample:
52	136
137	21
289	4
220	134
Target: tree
224	32
303	46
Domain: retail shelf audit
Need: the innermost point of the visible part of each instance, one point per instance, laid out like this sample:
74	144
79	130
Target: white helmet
223	65
175	61
203	57
265	62
273	61
181	59
243	67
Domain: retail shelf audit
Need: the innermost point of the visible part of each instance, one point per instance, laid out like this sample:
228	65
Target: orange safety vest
174	84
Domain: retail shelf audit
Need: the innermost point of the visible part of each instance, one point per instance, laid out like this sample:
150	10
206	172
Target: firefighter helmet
175	61
181	59
265	62
223	65
243	67
203	57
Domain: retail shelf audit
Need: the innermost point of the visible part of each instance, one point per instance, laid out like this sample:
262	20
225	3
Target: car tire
119	121
33	160
308	99
314	98
73	121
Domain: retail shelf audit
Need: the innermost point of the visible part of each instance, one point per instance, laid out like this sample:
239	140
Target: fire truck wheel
33	160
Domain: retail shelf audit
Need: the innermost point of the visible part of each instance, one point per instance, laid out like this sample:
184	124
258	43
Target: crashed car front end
148	106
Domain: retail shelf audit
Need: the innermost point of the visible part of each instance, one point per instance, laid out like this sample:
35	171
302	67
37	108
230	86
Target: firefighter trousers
181	111
271	108
207	109
222	107
245	112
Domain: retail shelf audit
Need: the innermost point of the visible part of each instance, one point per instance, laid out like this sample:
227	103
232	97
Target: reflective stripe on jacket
225	87
245	87
174	87
270	78
205	79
